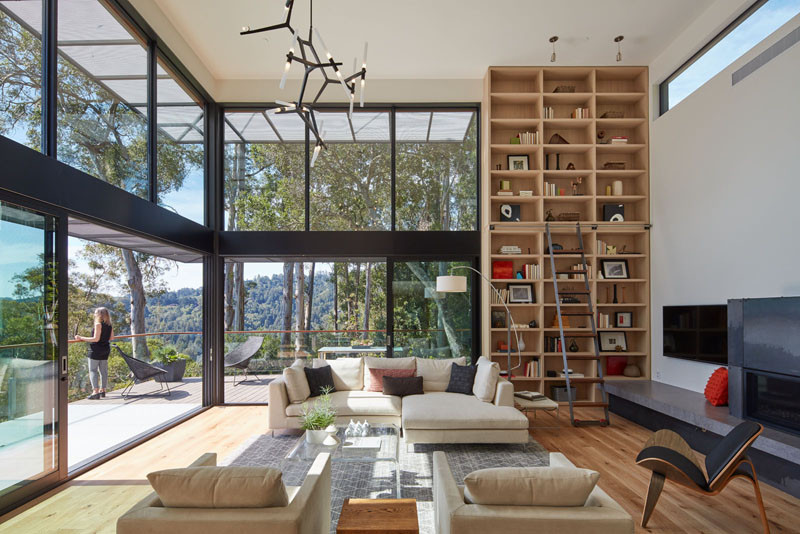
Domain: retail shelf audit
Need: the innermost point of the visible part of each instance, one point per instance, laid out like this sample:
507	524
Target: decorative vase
632	370
573	347
521	345
616	187
316	436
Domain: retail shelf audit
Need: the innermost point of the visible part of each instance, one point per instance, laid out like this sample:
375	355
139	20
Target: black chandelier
311	62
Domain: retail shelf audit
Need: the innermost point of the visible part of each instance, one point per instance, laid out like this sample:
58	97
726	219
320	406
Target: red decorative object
503	269
717	387
615	365
502	346
376	377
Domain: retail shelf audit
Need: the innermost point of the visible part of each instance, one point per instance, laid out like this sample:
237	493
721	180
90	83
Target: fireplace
773	399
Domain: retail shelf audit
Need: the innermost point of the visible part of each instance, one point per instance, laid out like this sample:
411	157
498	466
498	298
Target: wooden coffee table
378	516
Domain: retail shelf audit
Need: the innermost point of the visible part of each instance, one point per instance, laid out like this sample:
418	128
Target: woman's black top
102	348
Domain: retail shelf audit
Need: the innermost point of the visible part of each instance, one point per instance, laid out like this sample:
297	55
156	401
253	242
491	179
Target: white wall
725	192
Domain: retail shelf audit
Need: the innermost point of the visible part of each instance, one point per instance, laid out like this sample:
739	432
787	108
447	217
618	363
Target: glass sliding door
428	324
28	349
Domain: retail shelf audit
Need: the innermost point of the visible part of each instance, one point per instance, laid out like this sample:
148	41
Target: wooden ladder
588	313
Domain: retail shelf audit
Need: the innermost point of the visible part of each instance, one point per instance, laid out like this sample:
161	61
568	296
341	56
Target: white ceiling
430	39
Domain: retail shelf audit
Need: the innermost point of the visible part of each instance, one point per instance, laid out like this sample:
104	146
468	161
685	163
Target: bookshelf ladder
589	313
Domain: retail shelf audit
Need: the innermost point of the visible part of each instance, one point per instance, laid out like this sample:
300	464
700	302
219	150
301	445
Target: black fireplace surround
764	361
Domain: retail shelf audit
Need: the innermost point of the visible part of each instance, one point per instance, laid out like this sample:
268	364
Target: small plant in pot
316	418
173	362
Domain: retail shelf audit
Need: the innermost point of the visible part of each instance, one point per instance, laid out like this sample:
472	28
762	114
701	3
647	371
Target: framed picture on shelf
521	293
622	319
609	341
509	213
519	163
498	319
615	269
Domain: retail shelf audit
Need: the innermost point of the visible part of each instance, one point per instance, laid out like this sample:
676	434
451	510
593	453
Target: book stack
510	249
619	140
580	113
529	395
578	267
528	138
552	190
502	298
505	193
549	112
604	320
532	271
572	374
532	370
552	344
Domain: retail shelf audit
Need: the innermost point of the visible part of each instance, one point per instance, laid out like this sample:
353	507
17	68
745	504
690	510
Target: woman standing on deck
99	350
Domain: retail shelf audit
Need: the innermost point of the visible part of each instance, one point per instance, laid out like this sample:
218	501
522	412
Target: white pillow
530	486
486	377
371	362
297	387
436	373
348	373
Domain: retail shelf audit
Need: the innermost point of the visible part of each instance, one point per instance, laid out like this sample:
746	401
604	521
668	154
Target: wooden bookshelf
616	99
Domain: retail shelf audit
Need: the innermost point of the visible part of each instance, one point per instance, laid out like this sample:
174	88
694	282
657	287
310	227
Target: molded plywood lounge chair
668	456
239	358
142	371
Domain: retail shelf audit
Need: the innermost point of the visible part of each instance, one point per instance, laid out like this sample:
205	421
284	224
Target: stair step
590	404
573	251
583	292
578	314
590	422
578	334
596	358
587	380
573	271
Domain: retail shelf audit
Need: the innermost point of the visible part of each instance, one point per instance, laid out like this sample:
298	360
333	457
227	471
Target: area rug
377	480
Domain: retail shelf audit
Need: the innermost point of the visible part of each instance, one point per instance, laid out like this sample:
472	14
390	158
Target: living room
419	267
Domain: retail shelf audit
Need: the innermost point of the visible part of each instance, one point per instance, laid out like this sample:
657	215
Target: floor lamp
458	284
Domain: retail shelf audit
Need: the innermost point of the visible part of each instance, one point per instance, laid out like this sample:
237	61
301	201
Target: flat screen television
698	333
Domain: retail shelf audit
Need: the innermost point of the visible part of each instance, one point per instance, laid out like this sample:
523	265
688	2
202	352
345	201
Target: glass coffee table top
382	443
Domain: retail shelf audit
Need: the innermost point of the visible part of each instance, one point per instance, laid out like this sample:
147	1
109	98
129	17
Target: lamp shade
451	284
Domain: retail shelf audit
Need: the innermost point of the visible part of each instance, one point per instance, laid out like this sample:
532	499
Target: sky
21	247
759	25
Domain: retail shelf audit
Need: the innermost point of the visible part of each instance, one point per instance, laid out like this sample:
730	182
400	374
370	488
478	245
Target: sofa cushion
436	373
319	380
402	386
462	377
355	404
220	487
486	377
376	377
530	486
348	373
453	411
371	362
296	382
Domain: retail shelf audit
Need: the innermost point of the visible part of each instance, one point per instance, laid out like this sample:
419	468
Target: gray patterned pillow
461	379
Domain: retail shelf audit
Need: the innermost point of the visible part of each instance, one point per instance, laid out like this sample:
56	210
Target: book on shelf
529	395
505	193
549	112
532	271
532	370
619	140
571	375
581	113
510	249
500	297
528	138
604	320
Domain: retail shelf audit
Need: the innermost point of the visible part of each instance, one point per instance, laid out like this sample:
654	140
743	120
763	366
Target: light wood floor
92	502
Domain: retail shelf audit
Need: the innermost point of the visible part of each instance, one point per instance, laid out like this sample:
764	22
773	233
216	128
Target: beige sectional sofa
433	417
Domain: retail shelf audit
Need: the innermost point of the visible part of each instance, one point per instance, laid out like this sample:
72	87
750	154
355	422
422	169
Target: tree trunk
309	302
347	302
356	297
239	296
288	283
138	302
450	332
228	296
367	293
335	299
299	292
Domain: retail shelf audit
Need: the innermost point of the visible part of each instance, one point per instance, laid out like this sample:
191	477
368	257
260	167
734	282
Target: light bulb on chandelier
553	40
618	39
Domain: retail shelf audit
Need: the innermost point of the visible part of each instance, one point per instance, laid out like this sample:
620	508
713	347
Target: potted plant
173	362
316	418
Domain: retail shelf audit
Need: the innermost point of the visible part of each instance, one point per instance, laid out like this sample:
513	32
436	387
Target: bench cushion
436	373
355	404
454	411
348	373
371	362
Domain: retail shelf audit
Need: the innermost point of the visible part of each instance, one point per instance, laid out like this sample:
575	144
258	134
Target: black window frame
663	87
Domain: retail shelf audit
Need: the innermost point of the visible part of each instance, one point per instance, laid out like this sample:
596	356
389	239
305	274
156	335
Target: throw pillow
318	379
436	373
220	487
371	362
296	382
402	385
376	377
461	379
717	387
530	486
486	377
348	373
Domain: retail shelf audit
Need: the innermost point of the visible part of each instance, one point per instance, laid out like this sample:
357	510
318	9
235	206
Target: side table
378	516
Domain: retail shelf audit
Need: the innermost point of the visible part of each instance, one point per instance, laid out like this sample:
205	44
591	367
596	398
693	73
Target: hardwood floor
92	502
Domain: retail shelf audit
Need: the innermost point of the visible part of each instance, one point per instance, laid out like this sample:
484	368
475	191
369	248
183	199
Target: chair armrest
312	501
208	459
504	394
278	402
446	495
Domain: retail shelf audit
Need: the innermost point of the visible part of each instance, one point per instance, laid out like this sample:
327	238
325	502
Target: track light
618	39
553	40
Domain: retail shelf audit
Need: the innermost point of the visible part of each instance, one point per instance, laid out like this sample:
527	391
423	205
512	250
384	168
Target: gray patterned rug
377	480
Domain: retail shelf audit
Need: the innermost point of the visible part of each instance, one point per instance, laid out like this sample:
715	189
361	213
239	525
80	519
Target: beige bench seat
457	411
